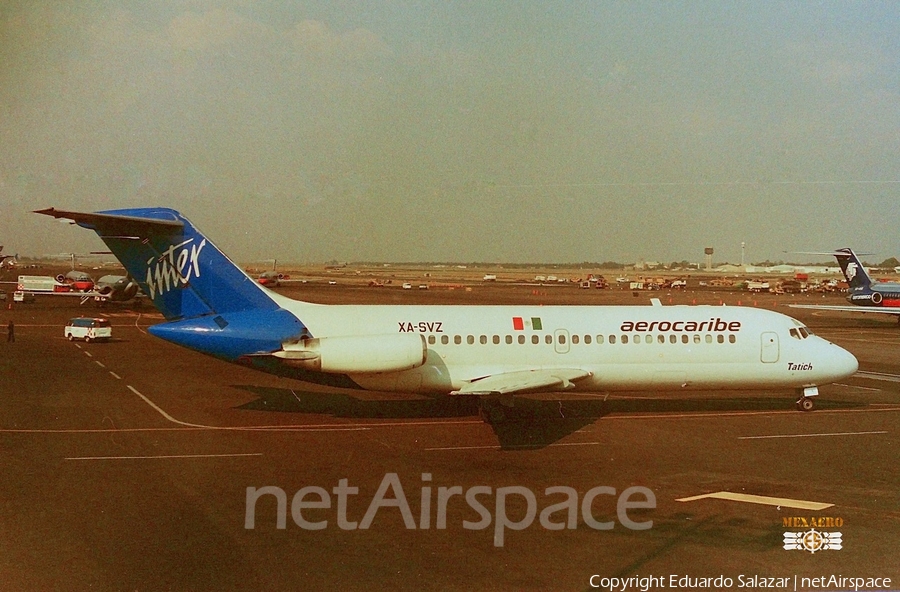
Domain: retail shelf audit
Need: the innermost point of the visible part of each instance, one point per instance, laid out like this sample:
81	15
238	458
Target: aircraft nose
841	363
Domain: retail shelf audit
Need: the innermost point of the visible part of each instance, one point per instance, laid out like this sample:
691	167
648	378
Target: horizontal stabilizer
845	252
524	381
118	224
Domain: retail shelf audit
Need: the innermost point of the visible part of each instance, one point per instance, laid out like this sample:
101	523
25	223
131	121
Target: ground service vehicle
88	329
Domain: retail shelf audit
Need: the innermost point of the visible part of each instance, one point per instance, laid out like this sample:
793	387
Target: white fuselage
622	347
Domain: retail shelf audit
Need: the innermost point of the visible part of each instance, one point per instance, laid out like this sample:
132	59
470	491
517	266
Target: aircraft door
769	347
561	341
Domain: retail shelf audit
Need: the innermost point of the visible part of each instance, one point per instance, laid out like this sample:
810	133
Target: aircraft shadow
531	423
343	405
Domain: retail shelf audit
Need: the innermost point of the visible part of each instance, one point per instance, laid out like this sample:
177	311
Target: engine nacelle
360	354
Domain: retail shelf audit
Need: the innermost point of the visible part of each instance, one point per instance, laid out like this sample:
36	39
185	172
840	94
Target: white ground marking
878	376
161	412
809	435
296	427
859	388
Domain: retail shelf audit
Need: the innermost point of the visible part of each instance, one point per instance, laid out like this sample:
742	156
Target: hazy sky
458	131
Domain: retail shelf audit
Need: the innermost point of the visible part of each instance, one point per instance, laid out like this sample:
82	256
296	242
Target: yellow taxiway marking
760	499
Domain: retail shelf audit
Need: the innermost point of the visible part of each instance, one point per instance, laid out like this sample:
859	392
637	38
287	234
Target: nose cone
840	363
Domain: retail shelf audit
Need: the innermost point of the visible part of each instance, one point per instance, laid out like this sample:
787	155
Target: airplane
274	279
490	352
115	288
866	295
270	278
109	288
79	281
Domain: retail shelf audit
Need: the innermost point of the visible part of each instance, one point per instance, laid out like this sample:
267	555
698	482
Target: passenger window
624	338
587	339
470	339
731	339
535	339
612	338
661	338
599	339
673	339
521	339
508	339
496	339
684	339
648	338
720	338
709	339
696	339
562	339
483	339
431	340
457	339
445	339
574	339
548	339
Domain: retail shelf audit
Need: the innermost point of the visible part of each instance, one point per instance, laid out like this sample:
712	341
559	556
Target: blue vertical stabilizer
211	304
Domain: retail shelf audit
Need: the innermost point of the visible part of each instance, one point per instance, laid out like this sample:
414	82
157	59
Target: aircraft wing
522	381
864	309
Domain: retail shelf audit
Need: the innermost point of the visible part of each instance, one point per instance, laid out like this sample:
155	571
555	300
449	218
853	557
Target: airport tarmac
126	467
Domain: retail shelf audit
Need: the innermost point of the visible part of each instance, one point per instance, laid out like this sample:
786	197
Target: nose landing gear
805	402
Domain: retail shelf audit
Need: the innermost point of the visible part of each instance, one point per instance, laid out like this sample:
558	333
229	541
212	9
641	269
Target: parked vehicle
88	329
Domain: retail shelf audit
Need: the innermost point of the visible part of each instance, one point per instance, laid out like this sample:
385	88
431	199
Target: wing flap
546	379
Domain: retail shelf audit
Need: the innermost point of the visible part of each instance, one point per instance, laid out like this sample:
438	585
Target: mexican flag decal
519	323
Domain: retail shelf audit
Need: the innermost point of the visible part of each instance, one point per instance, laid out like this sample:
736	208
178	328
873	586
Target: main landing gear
805	402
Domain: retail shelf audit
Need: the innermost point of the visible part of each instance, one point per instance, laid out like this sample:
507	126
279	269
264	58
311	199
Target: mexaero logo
174	268
813	541
851	270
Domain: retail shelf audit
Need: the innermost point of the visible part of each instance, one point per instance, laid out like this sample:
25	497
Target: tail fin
184	274
853	269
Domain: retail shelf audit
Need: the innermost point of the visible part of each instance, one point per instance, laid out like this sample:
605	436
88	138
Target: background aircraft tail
853	269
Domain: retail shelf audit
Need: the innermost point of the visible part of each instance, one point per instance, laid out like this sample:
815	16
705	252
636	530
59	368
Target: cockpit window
800	332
